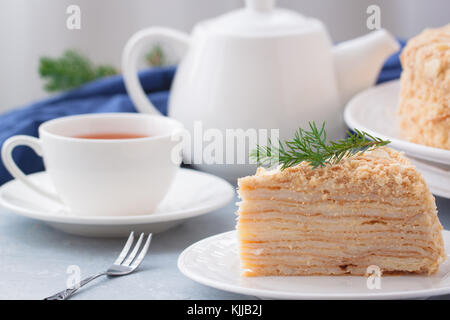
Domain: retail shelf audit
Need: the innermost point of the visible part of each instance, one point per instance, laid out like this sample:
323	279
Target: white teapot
259	67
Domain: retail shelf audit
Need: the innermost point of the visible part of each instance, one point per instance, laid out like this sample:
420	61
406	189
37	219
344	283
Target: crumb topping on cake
379	171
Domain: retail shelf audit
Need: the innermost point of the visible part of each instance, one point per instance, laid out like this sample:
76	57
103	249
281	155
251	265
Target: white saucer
373	111
193	193
214	262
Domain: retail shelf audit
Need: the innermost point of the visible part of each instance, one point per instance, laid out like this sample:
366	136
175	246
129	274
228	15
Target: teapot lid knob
260	5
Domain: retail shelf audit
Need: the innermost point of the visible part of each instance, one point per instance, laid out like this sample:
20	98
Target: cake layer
330	209
386	264
367	240
339	247
288	195
364	220
262	231
305	253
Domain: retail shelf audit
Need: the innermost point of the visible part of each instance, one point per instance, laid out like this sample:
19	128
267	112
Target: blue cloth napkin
105	95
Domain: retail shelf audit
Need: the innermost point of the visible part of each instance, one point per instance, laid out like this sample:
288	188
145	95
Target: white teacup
104	176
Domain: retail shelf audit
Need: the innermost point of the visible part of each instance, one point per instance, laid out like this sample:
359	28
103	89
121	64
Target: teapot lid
258	18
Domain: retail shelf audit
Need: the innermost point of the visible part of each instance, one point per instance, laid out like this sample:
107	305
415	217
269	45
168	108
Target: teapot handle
131	53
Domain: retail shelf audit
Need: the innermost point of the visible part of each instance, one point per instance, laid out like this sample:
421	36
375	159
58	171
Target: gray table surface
34	259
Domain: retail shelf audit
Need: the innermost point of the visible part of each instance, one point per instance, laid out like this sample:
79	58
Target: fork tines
130	260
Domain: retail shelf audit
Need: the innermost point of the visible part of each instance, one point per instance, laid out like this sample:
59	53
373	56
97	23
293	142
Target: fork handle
66	294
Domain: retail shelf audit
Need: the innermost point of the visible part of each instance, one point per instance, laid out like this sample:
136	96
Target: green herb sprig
73	69
70	71
312	146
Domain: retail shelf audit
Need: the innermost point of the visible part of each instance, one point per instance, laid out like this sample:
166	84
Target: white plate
193	193
214	262
374	111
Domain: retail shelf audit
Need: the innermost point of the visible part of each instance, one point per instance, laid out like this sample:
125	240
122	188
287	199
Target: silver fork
122	266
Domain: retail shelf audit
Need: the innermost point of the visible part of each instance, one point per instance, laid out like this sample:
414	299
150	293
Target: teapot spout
359	61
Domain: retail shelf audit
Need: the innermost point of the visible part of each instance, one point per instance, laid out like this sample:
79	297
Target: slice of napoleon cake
370	209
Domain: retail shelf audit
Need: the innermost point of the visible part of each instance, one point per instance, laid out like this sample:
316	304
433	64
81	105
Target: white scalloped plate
193	193
214	262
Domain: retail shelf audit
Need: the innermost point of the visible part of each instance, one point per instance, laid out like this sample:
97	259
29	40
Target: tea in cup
104	164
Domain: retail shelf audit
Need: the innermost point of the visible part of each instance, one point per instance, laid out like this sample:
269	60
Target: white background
32	28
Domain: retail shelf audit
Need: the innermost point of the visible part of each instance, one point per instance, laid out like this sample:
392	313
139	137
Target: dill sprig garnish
312	146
